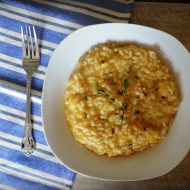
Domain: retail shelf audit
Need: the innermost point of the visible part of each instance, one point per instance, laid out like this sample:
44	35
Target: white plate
151	163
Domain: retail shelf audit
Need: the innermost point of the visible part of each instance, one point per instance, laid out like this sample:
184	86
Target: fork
30	62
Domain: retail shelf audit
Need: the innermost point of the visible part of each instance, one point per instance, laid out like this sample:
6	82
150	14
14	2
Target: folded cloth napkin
53	20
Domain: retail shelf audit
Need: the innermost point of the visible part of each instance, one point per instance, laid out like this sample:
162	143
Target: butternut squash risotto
121	99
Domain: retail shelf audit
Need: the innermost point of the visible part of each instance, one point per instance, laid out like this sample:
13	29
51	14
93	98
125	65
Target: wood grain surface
174	19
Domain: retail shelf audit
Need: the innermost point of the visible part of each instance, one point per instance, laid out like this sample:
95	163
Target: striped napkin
54	20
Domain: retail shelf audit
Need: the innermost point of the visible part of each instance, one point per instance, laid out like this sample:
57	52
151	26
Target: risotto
121	99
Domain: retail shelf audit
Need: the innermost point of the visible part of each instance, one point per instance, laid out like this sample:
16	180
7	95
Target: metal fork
30	61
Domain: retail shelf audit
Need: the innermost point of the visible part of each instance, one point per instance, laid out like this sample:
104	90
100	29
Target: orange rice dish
121	99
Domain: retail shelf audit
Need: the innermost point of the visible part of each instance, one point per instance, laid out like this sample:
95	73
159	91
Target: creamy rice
121	99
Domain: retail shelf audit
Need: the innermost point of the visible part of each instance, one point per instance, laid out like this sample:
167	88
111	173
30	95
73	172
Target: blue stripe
108	4
127	10
19	40
42	33
72	16
35	162
17	89
20	79
17	143
19	104
11	50
19	66
15	51
22	184
36	19
33	175
19	117
41	9
12	37
18	130
67	15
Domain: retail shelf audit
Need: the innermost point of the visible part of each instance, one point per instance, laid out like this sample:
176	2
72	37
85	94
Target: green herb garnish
125	84
124	105
122	92
100	92
107	95
112	100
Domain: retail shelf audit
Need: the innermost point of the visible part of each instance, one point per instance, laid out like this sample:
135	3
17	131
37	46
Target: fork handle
28	144
28	101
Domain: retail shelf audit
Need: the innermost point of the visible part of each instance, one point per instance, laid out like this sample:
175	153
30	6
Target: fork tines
30	43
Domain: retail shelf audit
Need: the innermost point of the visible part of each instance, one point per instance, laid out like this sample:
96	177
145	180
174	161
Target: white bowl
152	163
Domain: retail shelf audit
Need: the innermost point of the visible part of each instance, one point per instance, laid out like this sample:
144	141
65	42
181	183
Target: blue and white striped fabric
54	20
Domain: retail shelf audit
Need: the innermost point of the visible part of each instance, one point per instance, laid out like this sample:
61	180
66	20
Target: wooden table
174	19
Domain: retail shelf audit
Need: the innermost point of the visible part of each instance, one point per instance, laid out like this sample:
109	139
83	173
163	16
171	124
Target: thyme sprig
124	103
106	95
111	99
